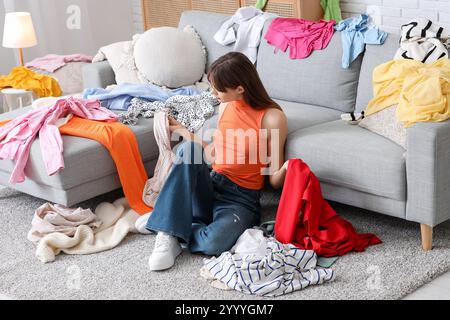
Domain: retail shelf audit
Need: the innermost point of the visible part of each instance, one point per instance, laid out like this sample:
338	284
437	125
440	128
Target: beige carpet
387	271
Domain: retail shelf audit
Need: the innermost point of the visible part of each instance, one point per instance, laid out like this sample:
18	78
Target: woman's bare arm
276	124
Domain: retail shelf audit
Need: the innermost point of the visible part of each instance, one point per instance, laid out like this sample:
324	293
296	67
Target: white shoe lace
162	242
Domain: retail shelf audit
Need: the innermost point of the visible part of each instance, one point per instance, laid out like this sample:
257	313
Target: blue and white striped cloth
283	269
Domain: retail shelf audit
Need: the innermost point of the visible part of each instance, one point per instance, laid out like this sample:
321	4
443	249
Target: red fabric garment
318	228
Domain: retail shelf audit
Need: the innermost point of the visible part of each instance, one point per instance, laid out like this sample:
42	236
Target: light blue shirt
355	34
120	97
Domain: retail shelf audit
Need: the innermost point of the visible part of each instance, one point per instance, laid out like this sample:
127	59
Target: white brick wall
391	14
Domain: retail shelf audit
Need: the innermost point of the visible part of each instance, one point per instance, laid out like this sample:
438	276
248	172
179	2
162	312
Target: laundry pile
306	227
24	78
57	229
264	266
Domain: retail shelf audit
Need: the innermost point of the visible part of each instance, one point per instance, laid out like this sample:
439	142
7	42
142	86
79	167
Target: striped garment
283	269
422	40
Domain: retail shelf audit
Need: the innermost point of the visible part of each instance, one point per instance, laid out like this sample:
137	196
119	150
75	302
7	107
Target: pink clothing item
166	158
50	218
52	62
300	35
17	135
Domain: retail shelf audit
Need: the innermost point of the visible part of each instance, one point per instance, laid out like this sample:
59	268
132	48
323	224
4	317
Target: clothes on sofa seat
17	135
50	218
299	35
420	90
251	23
52	62
190	111
356	32
307	221
423	40
23	78
119	97
166	158
121	143
264	266
116	221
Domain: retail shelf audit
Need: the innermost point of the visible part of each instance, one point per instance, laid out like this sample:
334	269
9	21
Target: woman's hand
285	166
175	126
277	179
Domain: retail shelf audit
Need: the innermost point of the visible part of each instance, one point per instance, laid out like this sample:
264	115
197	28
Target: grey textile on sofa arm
355	166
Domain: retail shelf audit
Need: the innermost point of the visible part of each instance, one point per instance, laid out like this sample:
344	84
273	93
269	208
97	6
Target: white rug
387	271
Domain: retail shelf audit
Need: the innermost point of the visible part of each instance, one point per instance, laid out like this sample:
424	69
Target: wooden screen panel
283	8
305	9
158	13
219	6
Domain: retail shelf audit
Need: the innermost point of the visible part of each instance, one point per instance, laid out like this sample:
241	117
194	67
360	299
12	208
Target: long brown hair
235	69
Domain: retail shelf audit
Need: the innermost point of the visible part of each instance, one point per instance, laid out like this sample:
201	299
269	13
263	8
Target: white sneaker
141	222
166	249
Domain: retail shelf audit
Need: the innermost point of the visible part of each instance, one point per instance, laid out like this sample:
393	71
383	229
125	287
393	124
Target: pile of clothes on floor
308	238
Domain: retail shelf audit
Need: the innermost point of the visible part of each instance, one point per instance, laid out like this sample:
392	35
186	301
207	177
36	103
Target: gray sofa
354	165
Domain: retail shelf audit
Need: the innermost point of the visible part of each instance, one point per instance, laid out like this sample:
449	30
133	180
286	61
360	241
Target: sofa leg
427	236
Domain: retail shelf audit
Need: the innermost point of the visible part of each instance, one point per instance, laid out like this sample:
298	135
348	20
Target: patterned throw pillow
120	57
385	123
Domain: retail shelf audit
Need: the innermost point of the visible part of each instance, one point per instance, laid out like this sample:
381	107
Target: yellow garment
421	90
23	78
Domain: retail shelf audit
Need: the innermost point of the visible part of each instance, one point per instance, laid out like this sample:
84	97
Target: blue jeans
203	208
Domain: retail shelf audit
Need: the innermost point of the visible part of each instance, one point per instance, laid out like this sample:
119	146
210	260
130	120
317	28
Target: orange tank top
240	146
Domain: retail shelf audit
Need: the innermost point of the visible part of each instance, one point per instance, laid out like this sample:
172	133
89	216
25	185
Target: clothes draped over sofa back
298	77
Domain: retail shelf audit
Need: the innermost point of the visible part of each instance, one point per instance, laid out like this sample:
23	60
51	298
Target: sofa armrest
428	172
98	75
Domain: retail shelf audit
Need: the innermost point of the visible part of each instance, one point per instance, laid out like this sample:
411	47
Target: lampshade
18	31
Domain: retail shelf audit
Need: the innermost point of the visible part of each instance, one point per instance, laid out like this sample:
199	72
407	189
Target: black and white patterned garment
190	111
264	266
423	40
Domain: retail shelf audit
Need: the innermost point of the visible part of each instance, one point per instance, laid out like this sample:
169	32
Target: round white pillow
170	57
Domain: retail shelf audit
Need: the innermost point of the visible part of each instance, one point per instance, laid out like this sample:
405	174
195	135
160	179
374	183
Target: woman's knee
214	244
214	248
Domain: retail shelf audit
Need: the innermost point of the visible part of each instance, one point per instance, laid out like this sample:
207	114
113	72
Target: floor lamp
19	32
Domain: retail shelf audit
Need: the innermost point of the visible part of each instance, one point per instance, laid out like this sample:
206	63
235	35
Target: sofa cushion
206	24
301	115
318	79
385	123
353	157
85	160
170	57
